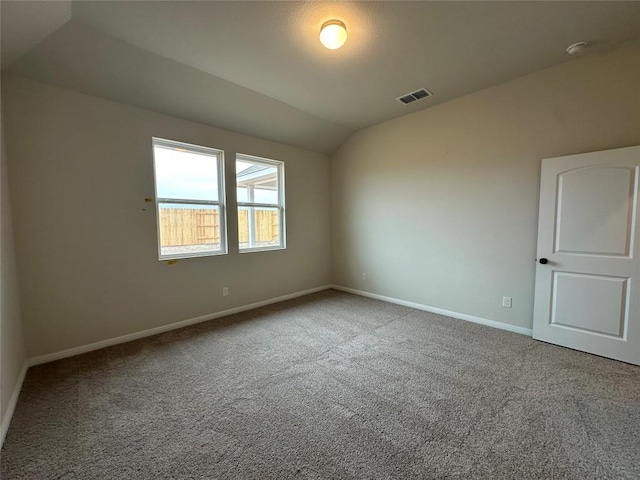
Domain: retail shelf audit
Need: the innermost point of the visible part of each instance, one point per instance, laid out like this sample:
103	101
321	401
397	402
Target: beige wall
12	351
80	168
440	207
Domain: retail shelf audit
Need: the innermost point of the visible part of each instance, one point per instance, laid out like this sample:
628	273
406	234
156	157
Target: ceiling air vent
413	96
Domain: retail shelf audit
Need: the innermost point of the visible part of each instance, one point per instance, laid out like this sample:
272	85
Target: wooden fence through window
200	226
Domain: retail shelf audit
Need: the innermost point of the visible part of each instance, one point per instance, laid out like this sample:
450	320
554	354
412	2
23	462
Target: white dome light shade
333	34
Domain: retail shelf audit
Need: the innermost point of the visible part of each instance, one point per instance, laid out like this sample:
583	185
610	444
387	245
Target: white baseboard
8	415
439	311
50	357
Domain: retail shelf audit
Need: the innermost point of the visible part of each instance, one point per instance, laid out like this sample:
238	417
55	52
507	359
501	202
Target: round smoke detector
576	48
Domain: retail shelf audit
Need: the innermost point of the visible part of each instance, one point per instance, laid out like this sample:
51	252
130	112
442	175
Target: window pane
242	194
263	195
256	182
185	175
189	229
258	227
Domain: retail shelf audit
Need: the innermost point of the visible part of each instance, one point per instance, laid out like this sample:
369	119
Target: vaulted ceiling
259	69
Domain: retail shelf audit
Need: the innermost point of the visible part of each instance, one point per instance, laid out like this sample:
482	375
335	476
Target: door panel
602	308
594	206
588	293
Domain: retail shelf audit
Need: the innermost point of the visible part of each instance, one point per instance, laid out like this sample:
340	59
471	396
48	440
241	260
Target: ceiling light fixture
333	34
576	48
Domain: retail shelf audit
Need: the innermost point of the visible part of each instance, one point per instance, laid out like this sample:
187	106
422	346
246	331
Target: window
189	200
260	196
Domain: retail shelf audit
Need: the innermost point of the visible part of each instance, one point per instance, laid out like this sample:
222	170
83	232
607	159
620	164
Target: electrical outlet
506	302
364	276
225	291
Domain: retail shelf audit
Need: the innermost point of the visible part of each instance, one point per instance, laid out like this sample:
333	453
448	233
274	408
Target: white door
588	271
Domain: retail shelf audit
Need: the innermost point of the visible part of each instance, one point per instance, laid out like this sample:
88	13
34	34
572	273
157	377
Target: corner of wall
12	348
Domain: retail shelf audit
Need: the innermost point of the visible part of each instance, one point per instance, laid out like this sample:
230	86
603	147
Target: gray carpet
330	385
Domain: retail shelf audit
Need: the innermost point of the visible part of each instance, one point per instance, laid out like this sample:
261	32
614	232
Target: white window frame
280	206
220	203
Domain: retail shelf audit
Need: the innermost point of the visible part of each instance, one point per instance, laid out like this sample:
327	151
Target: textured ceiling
86	60
258	68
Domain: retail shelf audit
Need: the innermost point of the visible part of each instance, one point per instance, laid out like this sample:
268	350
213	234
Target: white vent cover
413	96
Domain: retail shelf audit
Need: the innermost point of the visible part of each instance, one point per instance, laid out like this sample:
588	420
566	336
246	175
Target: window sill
190	255
261	249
